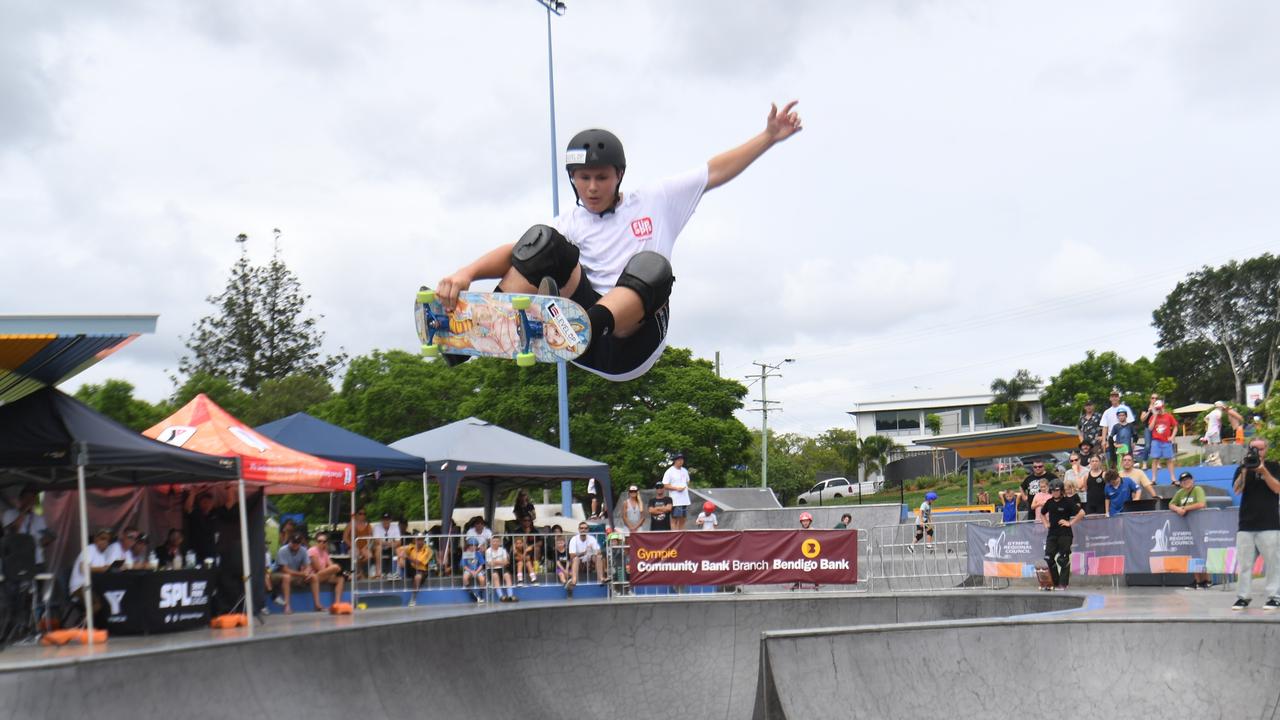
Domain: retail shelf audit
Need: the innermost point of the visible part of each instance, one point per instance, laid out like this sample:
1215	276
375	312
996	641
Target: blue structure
314	436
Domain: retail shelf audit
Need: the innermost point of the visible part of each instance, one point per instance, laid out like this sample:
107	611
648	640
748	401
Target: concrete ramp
1043	668
586	660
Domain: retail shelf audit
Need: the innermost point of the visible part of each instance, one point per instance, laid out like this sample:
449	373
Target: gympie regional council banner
1152	542
743	557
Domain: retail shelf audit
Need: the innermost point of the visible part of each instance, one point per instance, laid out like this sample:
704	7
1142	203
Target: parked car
828	490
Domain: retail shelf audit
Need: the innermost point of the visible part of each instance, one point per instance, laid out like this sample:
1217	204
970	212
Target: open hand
782	125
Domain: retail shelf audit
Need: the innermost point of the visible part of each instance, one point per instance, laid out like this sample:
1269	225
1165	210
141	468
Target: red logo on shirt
642	228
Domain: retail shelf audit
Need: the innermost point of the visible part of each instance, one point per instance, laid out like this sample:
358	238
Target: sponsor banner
743	557
140	602
1157	542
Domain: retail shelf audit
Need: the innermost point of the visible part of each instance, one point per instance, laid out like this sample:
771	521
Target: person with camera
1257	483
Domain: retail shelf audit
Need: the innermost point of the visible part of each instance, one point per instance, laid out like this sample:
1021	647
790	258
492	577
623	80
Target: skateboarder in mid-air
611	252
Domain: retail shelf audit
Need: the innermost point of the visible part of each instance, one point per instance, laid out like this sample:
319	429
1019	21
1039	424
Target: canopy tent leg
84	534
246	572
426	506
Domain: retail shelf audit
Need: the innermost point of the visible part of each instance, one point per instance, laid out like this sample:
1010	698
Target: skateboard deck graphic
524	328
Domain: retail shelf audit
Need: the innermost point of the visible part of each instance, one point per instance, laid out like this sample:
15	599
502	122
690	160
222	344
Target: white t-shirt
1109	418
650	217
483	536
707	521
578	545
496	556
678	479
387	533
32	525
97	558
1213	423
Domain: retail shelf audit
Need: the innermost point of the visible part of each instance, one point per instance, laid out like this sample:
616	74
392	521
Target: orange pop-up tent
204	427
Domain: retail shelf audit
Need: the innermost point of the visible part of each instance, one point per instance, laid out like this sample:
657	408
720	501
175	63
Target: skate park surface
1123	653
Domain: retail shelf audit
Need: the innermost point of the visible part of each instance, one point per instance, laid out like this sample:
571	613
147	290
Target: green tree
114	398
788	474
219	389
1094	377
933	421
844	442
1007	407
277	398
260	330
1235	309
1201	373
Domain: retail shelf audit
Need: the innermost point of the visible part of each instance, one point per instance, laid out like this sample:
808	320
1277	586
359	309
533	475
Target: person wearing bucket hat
611	253
707	518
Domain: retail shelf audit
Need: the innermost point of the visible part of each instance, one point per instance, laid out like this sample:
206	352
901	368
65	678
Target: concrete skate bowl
1025	668
584	660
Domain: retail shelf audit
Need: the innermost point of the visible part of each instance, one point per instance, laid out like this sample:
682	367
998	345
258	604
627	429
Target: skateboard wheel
525	359
521	302
430	350
426	296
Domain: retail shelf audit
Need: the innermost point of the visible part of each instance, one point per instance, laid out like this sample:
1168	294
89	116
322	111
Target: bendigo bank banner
743	557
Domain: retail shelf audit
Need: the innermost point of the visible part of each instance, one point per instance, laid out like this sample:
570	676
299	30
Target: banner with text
743	557
1149	542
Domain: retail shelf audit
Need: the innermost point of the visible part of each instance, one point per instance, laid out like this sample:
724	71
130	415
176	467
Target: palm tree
1006	407
873	454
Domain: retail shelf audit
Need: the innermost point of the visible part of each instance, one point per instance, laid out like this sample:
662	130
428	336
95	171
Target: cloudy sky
980	186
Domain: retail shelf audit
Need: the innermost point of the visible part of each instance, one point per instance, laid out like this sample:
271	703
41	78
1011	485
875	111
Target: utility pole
764	401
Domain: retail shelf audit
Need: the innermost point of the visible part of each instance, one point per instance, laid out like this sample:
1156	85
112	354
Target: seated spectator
24	519
287	530
293	569
140	557
1188	499
125	543
326	570
562	560
386	538
522	556
416	559
357	537
584	554
100	554
1119	491
472	567
498	561
479	532
172	554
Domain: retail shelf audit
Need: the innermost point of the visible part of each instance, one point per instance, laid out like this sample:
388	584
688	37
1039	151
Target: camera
1252	459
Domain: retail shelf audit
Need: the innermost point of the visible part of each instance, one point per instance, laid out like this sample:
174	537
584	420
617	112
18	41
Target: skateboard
527	328
1043	576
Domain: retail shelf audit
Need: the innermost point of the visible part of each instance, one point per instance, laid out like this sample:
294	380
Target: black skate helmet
592	148
1055	484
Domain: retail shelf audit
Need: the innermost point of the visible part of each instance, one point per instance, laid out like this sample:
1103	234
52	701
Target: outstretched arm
727	165
493	264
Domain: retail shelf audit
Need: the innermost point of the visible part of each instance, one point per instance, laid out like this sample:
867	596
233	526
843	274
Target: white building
903	419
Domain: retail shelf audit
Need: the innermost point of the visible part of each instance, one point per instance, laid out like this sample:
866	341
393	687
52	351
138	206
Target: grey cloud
1228	52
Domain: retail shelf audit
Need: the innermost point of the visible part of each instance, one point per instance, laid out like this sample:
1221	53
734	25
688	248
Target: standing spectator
202	525
1095	485
1060	513
24	520
356	536
473	568
1089	427
584	553
1042	497
1139	478
386	538
1087	451
660	509
481	533
1237	425
593	496
1009	504
1037	483
498	560
1145	417
1213	424
1259	526
984	498
1119	491
416	560
676	481
1110	417
707	518
633	511
1190	498
845	520
1119	438
524	507
294	570
170	555
1073	478
1161	425
325	569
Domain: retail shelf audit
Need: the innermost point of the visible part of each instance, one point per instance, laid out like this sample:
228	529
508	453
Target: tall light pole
763	377
562	370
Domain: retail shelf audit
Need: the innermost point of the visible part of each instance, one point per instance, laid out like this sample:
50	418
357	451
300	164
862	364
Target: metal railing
905	564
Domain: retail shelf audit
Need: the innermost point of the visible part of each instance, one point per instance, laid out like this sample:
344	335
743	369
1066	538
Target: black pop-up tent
474	452
52	441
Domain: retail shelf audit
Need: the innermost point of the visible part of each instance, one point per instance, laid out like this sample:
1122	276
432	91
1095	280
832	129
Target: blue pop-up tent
314	436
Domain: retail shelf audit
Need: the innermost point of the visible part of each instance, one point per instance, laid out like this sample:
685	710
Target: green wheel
431	350
426	295
525	359
521	302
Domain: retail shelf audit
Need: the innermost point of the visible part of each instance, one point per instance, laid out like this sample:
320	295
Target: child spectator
1041	497
498	560
707	518
1009	504
522	555
562	560
845	521
1120	437
1119	491
617	557
473	568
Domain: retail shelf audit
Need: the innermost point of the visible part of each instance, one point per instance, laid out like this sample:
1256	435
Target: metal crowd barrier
904	564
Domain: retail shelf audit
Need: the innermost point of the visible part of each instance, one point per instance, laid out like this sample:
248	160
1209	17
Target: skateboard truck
438	324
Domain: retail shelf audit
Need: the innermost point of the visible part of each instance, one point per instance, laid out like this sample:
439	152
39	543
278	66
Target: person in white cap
1213	424
633	512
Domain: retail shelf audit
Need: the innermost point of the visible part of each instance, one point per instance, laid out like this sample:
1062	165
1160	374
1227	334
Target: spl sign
743	557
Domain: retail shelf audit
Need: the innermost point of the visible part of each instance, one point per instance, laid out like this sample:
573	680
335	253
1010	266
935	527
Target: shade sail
39	351
314	436
1005	442
201	425
44	435
1193	408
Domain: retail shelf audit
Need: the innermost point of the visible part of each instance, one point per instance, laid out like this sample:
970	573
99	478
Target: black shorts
614	355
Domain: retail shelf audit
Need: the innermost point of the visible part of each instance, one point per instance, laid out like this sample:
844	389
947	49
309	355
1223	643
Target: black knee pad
649	274
543	251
